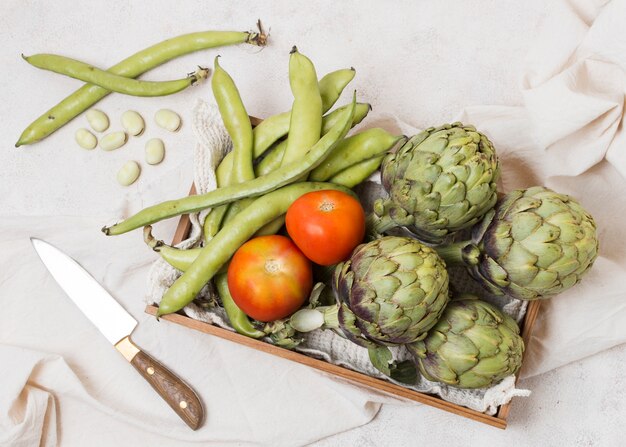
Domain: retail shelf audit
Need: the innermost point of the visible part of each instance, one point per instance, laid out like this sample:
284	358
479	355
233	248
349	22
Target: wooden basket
499	420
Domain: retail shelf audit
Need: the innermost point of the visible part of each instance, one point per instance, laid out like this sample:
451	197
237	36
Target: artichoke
473	345
535	244
390	292
441	181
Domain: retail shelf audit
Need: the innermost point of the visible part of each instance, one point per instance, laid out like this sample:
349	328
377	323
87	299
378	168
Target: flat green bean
131	67
115	83
275	127
305	125
261	185
219	250
361	146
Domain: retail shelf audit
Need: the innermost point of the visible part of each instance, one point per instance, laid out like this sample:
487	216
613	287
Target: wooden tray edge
344	373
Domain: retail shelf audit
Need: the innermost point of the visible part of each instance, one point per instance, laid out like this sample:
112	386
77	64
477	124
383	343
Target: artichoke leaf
382	360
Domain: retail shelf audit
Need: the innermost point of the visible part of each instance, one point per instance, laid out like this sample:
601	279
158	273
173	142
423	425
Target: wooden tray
499	420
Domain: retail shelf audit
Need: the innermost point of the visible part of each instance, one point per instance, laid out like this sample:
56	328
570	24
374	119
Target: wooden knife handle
171	388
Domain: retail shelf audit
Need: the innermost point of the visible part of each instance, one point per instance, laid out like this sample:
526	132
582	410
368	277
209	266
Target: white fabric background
557	79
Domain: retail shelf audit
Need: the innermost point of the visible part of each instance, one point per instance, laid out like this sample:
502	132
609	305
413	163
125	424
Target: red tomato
326	225
269	278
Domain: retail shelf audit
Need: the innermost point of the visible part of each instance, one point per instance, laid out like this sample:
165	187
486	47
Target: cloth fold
63	383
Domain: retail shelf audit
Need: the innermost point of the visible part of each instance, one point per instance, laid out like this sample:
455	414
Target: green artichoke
390	292
473	345
535	244
441	181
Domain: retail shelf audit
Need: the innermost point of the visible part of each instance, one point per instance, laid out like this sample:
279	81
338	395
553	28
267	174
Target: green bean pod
275	127
271	228
237	123
358	173
182	259
112	82
131	67
213	221
261	185
273	160
361	146
236	120
219	250
305	125
238	319
178	258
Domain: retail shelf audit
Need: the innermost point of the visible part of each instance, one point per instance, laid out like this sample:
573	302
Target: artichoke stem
378	225
331	316
452	254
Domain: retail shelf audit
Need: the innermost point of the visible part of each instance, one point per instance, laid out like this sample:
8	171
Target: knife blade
116	324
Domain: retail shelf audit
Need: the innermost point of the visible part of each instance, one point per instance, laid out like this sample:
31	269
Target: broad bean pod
273	160
237	123
355	149
358	173
305	125
275	127
112	82
131	67
261	185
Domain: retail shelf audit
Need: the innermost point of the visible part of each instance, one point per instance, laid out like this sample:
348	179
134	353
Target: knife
116	324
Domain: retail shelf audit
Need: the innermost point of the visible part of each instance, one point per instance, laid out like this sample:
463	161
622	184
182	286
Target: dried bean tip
150	240
294	49
258	38
198	75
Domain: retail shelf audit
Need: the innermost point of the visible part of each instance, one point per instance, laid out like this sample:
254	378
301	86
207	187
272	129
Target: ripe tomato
326	225
269	278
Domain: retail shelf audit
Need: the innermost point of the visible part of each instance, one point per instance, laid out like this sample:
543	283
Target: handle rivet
182	404
150	370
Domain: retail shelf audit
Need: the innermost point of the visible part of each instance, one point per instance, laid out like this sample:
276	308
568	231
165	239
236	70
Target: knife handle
171	388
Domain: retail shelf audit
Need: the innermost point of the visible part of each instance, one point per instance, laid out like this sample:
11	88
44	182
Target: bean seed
133	123
128	173
155	151
168	119
113	140
98	120
85	139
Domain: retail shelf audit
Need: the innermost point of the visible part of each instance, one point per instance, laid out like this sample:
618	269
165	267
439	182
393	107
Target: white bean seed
168	119
128	173
98	120
85	139
112	141
155	151
133	123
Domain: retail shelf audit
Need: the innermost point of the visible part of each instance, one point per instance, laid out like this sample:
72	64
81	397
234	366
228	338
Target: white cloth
61	382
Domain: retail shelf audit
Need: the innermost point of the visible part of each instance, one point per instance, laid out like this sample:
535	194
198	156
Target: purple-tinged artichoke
473	345
441	181
535	244
390	291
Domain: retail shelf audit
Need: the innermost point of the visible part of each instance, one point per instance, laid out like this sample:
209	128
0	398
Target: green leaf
381	358
404	372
